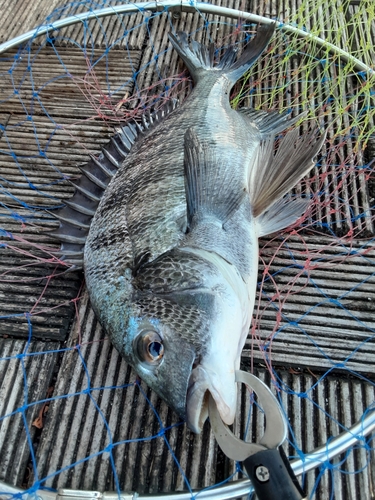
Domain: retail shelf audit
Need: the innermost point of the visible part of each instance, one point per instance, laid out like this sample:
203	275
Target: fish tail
199	59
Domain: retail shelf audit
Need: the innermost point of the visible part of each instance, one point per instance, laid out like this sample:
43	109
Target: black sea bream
179	201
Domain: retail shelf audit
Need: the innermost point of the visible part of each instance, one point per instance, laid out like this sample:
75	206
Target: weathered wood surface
326	302
16	20
17	401
75	429
59	137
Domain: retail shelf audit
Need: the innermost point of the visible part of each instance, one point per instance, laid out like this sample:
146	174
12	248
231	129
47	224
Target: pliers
266	464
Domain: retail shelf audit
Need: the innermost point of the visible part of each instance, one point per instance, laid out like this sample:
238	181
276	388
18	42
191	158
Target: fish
166	221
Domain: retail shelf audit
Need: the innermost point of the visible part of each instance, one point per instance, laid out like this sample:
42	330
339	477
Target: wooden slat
24	380
60	134
75	430
326	298
97	32
66	83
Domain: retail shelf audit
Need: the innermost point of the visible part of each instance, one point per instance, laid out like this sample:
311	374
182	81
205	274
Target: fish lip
200	386
195	406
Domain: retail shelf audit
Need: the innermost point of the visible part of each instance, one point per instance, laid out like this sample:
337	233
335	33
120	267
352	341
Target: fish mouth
201	384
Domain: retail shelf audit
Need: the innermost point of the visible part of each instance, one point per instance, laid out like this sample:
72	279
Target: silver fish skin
171	257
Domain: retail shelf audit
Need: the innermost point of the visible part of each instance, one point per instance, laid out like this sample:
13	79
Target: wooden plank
59	137
317	310
75	430
20	403
97	32
26	19
67	79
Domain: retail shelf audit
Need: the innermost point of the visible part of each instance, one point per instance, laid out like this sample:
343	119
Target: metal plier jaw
266	464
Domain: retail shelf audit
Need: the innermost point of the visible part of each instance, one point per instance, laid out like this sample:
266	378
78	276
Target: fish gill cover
73	414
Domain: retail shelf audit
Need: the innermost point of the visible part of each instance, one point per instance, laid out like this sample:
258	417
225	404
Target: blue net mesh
73	414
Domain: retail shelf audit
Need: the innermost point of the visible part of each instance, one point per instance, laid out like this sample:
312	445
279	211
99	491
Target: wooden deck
324	349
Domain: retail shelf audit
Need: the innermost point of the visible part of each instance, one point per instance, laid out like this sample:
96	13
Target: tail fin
198	58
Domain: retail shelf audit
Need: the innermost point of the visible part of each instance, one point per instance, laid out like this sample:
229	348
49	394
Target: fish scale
171	256
171	269
157	199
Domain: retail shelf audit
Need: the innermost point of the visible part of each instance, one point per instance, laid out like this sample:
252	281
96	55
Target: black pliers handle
265	463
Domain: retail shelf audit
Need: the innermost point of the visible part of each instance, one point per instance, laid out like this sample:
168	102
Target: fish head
161	346
181	327
189	346
184	347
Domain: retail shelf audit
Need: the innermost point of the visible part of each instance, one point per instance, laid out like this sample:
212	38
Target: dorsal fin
270	122
75	217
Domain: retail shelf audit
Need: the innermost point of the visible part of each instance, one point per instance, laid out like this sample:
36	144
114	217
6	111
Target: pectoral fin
209	185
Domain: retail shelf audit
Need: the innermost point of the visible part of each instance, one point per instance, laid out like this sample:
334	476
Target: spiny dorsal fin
270	122
209	185
274	175
75	217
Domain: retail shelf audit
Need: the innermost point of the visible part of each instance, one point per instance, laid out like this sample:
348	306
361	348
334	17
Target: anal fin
272	176
281	214
270	122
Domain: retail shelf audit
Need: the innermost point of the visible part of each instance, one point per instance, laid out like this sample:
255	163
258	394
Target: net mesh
73	414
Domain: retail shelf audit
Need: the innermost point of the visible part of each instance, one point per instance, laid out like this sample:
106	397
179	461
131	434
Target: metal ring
185	6
234	489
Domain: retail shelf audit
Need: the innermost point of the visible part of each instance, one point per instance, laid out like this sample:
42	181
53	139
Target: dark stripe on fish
90	187
109	237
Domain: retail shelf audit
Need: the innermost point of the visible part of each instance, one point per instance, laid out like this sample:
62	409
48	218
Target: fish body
171	255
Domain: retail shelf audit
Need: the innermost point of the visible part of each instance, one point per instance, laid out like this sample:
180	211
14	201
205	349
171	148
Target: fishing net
73	414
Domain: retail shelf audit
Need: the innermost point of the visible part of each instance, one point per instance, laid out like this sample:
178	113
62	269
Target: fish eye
149	347
155	349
